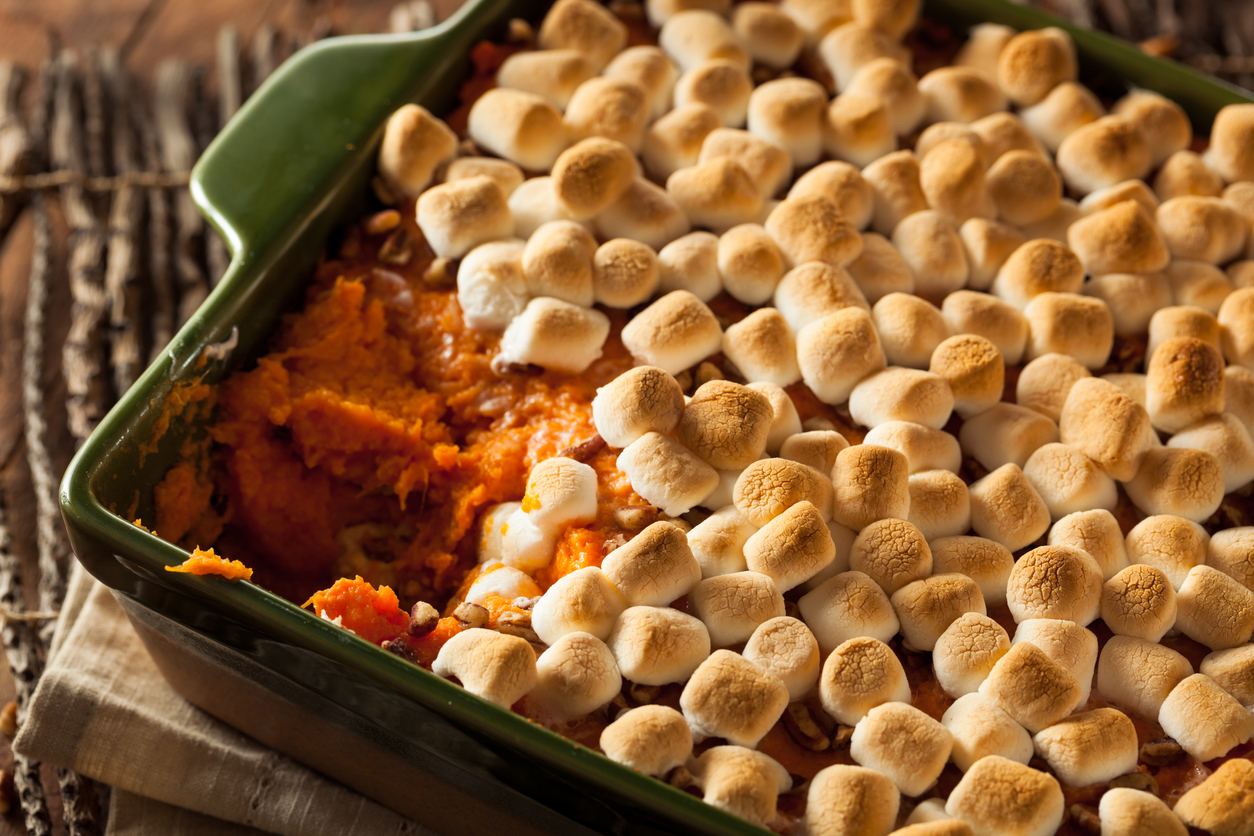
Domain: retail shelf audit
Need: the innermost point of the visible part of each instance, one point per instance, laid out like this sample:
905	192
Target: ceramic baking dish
293	165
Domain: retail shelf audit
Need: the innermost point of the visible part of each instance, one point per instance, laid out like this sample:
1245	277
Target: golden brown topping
892	552
590	175
1214	609
456	217
974	369
769	487
492	665
726	424
792	548
847	606
1202	228
575	676
521	127
732	606
850	801
1090	747
789	112
960	94
763	348
1025	187
414	144
787	648
720	84
717	194
674	333
655	567
1034	62
584	601
1108	426
1031	687
812	228
985	561
870	483
1231	153
1055	582
1102	153
837	351
657	645
904	743
1139	601
965	654
667	474
643	399
653	739
851	46
730	697
952	177
926	608
674	140
741	781
1139	675
1204	719
859	675
1006	508
1000	796
1223	804
857	129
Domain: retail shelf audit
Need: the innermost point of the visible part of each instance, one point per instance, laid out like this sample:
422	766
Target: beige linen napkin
103	709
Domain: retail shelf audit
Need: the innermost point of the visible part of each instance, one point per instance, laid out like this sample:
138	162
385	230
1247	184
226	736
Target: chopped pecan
441	272
1086	818
520	32
635	517
384	192
1161	751
471	615
397	248
684	379
381	222
585	450
1142	781
400	647
680	777
804	729
422	619
524	603
706	372
842	737
643	694
517	624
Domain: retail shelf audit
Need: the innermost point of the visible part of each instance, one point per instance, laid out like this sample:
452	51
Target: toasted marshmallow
941	132
892	552
952	177
1238	333
880	270
1184	383
660	11
1202	229
1001	796
415	143
1231	551
1185	173
584	26
1102	153
1068	107
841	182
1229	154
763	348
674	140
492	532
789	112
1121	239
1045	383
979	314
726	424
733	605
850	799
1006	508
1164	123
718	542
1138	674
612	108
561	492
769	487
690	264
896	17
1067	323
585	601
1033	63
1214	609
984	44
1024	187
930	244
1134	190
1096	533
1132	384
491	290
674	333
592	175
897	394
985	561
1198	284
750	263
846	606
904	743
870	483
456	217
653	568
644	213
525	545
859	675
624	273
1006	434
964	656
1204	719
1090	747
1108	426
1126	812
817	449
1239	394
1172	544
974	369
1140	602
926	608
558	261
730	697
837	351
857	129
649	67
1059	582
653	739
785	421
507	175
1180	481
550	73
521	127
1223	802
987	245
786	647
495	666
813	290
811	228
556	335
849	47
1002	133
1233	670
792	548
718	193
696	35
667	474
722	85
1067	643
959	94
979	729
741	781
924	448
575	676
500	581
894	180
771	37
910	328
890	82
1133	299
1031	687
533	204
1069	481
657	645
642	400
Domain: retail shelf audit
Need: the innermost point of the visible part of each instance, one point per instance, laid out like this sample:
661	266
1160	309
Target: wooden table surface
145	32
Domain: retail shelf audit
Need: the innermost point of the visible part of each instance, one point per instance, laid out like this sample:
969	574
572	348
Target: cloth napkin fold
103	709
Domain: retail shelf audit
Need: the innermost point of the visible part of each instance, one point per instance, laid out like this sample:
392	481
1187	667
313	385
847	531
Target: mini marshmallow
904	743
984	44
1069	481
857	129
880	270
492	531
1180	481
1214	609
792	548
859	675
718	542
690	263
1006	508
1006	434
1184	384
841	182
575	676
769	487
926	608
591	175
1060	582
641	400
1071	324
985	561
910	328
1031	687
959	94
941	132
556	335
733	605
696	35
847	606
1045	383
1239	394
1135	190
965	653
1235	316
789	112
561	492
1056	225
849	47
837	351
987	244
491	290
1000	796
1024	187
644	213
649	67
897	394
979	729
674	333
1140	602
667	474
896	17
1133	299
719	84
533	204
507	175
717	194
1102	153
870	483
930	244
612	108
750	263
653	739
1229	153
894	181
497	667
456	217
1204	719
891	552
624	273
659	11
891	83
1185	173
817	449
1067	643
772	38
785	422
1108	426
850	799
1090	747
674	140
1198	283
1172	544
925	448
979	314
1164	123
585	26
1132	384
1202	229
584	601
415	144
525	545
1139	674
1002	133
786	647
657	645
653	568
811	228
1096	533
842	538
501	581
952	177
1126	812
1230	551
1233	670
1221	803
524	128
726	424
1121	239
741	781
1032	63
974	370
730	697
550	73
763	348
1067	108
557	262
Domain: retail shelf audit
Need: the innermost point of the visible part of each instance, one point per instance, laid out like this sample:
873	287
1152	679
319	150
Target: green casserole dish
293	165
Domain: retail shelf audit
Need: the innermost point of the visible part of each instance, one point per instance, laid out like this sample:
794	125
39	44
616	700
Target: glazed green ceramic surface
293	165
